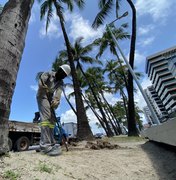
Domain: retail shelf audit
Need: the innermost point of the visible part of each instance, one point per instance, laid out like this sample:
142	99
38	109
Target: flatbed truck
22	135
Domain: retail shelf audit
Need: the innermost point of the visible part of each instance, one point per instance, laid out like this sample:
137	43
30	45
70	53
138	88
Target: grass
45	168
11	175
124	138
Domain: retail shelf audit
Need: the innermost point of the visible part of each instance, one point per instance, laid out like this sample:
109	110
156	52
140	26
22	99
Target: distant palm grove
92	76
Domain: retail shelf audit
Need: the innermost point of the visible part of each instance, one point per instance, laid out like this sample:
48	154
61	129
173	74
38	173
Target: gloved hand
54	103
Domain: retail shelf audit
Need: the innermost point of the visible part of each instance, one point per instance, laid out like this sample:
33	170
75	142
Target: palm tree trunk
110	133
13	27
83	128
132	130
111	111
96	114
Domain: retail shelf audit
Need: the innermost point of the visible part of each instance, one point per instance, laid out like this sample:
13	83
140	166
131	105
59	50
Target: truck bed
23	126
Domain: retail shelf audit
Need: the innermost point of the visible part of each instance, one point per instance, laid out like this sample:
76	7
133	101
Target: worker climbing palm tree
48	98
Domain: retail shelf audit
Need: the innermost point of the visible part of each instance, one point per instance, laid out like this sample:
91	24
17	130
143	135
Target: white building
161	69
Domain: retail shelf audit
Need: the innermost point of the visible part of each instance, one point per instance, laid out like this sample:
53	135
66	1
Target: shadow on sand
163	158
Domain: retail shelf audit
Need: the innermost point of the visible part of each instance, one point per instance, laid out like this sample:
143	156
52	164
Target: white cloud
82	27
34	87
32	18
139	59
53	29
146	41
69	116
158	9
144	30
111	99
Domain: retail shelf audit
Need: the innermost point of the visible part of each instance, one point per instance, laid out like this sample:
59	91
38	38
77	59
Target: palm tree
47	8
132	130
93	76
106	40
106	6
117	74
15	16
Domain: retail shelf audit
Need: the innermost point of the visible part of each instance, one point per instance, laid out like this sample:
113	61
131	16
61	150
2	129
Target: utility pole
132	72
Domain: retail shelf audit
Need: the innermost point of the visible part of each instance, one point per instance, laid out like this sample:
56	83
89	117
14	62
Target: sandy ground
134	160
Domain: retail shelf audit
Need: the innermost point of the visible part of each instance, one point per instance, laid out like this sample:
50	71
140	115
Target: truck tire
10	144
22	144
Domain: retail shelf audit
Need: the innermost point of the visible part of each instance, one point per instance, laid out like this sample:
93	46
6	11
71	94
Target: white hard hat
66	68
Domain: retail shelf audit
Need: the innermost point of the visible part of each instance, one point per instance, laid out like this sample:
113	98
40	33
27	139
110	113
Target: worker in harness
48	98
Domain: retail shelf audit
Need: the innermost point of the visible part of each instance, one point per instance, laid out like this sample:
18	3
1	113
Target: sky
155	32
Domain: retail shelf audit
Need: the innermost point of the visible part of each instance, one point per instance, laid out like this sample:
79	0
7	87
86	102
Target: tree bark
83	129
132	130
13	28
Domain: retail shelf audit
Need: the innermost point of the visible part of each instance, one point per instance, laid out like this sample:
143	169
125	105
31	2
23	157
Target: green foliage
48	6
11	175
126	139
105	8
45	168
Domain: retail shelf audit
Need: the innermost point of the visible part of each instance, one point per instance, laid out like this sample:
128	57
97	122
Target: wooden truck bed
23	126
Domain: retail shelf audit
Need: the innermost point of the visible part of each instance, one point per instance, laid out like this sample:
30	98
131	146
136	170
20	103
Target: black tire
10	144
22	144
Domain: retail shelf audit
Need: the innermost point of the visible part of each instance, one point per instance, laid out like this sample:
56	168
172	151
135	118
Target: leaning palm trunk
110	133
69	102
84	131
96	114
13	27
112	113
132	130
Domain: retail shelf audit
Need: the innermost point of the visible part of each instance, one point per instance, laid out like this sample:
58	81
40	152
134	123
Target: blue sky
155	32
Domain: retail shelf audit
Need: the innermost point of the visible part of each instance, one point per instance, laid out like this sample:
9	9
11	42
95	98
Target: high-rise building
156	103
161	69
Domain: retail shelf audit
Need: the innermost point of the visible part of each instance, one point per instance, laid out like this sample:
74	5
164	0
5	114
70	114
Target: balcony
166	84
158	64
162	80
151	62
165	73
157	71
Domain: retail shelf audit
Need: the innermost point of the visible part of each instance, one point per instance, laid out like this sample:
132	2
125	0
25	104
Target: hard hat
66	68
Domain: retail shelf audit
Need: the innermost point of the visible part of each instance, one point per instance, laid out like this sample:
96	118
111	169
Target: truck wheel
22	144
10	144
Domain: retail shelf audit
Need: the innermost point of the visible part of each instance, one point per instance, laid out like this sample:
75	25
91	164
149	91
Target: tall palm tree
47	9
132	130
93	76
106	40
117	75
106	6
13	27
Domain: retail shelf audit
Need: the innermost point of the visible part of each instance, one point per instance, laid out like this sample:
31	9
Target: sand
135	159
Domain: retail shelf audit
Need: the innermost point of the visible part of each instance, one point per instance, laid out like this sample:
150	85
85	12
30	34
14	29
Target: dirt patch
114	159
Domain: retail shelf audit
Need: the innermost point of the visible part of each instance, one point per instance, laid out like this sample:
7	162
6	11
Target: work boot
55	151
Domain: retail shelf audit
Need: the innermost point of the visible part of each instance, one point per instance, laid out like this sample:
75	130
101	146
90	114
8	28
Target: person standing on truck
48	98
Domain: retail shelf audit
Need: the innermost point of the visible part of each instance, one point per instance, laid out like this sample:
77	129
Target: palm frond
59	11
101	3
49	16
44	8
80	3
99	19
69	4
